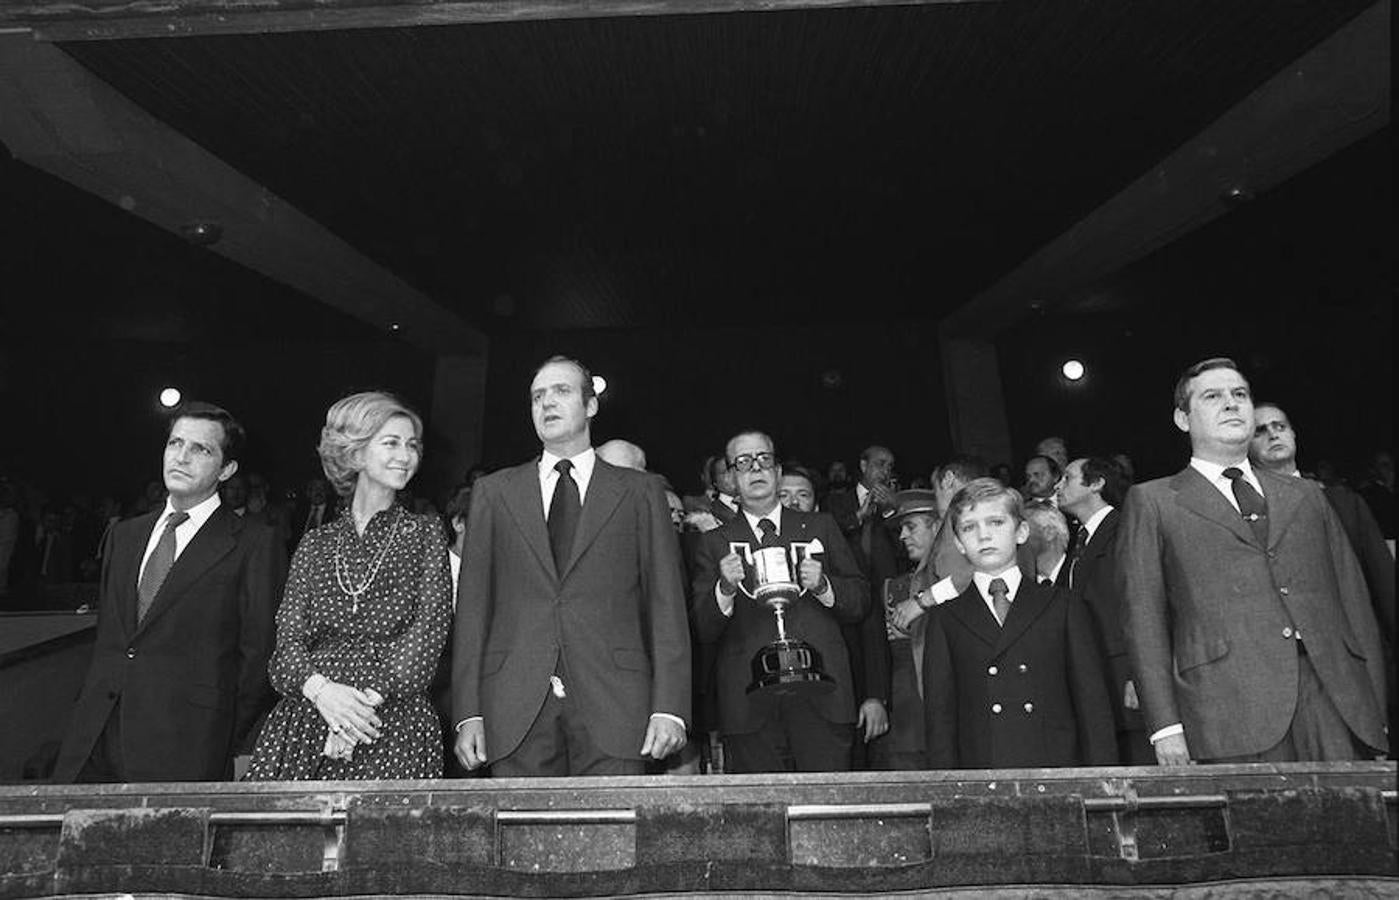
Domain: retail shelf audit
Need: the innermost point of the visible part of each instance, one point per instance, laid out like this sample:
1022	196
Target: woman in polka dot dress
367	608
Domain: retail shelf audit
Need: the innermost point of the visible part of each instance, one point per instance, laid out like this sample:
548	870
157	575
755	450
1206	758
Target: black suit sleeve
264	574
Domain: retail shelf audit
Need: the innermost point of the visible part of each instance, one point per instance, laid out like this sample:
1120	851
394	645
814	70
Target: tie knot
563	466
767	527
999	588
177	518
1233	473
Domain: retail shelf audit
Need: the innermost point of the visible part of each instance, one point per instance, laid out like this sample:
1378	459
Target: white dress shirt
583	465
1011	576
1214	474
184	532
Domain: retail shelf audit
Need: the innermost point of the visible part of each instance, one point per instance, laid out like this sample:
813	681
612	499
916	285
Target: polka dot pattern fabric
389	641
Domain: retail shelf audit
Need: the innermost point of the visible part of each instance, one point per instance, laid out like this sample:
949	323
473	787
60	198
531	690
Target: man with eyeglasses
763	731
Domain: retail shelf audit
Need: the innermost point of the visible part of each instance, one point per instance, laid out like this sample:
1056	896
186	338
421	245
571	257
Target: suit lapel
1195	493
972	611
1284	497
215	540
605	492
526	506
1030	602
127	561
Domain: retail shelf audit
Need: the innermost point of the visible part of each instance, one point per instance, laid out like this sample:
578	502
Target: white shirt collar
198	514
1214	474
1011	576
583	465
1090	527
1054	572
775	517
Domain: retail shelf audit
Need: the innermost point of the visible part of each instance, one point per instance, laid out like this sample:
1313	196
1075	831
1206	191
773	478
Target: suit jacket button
130	652
1283	591
1029	707
111	695
1287	632
996	708
1024	668
993	671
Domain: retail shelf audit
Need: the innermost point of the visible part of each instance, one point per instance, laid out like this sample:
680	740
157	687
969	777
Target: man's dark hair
1050	461
234	436
963	466
1182	393
1115	481
866	453
587	386
458	502
802	472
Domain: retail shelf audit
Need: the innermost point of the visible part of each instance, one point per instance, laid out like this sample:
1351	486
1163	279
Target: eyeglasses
747	462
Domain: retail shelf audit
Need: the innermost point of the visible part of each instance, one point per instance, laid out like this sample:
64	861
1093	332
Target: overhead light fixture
1073	370
170	398
599	385
202	234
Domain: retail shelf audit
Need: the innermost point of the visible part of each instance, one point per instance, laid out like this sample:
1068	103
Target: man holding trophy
771	589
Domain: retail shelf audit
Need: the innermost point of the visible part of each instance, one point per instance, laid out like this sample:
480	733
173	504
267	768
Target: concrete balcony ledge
1216	831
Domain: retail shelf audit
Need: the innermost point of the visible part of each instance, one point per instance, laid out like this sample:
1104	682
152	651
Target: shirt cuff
311	688
725	601
826	598
674	718
943	591
468	719
1168	731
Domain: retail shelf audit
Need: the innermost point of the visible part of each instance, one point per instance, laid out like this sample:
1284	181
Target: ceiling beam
1330	97
57	116
103	20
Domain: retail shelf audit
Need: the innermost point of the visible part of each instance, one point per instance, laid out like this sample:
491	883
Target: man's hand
730	573
810	573
906	613
1129	696
349	712
873	718
663	737
471	744
1172	751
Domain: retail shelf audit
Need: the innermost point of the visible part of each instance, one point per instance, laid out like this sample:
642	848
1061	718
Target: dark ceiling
677	170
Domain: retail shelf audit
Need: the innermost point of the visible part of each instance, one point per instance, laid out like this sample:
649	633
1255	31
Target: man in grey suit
572	650
1245	612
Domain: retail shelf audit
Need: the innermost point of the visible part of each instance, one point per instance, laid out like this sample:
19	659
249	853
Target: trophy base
789	667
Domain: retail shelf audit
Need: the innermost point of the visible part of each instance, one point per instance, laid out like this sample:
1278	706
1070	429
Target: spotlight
202	234
170	398
1073	370
599	385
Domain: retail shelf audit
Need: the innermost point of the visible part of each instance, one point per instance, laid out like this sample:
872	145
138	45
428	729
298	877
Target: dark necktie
1251	503
769	531
1000	599
563	514
158	566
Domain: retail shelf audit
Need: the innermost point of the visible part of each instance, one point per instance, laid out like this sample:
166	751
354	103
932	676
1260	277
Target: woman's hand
349	712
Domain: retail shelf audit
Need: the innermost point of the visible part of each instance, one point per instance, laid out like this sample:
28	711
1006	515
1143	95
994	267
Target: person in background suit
1247	620
185	625
316	508
765	731
1012	675
571	653
1091	491
1042	474
1049	540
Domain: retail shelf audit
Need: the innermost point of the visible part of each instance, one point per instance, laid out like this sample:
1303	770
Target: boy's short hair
982	490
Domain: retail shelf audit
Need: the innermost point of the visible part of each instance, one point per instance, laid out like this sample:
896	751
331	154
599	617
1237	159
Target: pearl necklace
354	593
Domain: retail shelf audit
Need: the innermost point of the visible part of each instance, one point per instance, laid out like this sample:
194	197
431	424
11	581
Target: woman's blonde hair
349	425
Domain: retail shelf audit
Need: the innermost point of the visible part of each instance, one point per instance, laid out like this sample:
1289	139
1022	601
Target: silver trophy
788	664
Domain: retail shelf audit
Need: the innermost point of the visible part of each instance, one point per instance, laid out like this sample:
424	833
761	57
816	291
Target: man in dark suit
1245	611
1091	491
571	654
185	625
807	730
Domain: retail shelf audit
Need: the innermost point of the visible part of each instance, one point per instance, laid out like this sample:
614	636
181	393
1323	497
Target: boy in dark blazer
1011	671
